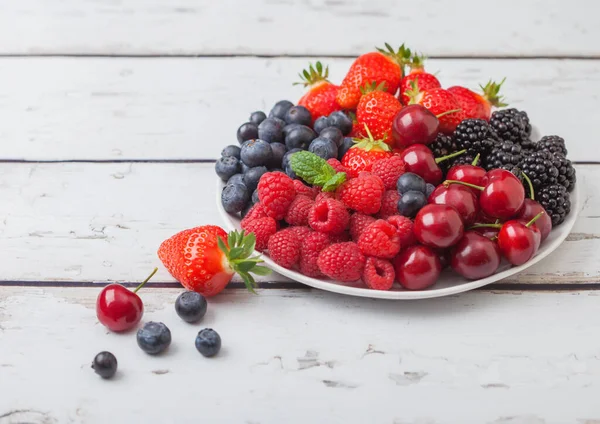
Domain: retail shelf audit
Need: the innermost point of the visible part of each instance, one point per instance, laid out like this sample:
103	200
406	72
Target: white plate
449	282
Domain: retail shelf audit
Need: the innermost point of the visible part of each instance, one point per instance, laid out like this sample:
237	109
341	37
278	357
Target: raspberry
256	212
328	216
276	192
310	248
337	165
263	229
378	274
389	170
324	195
339	238
284	248
297	214
389	204
301	231
404	226
358	223
380	239
362	194
302	189
342	261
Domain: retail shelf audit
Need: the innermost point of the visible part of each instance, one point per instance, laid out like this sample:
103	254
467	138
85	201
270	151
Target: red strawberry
389	204
358	223
204	259
276	193
475	105
297	214
263	229
381	66
379	274
380	239
310	248
376	110
364	153
357	131
417	78
284	248
389	170
320	99
441	103
342	261
362	194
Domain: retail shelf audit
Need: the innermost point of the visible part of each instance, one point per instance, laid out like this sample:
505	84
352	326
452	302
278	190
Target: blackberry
476	136
505	155
443	145
539	167
555	200
553	144
512	124
566	173
464	159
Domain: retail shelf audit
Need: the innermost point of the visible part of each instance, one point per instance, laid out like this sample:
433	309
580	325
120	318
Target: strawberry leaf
261	270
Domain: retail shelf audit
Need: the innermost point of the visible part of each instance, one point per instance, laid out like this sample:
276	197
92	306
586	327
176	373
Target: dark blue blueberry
271	130
231	151
280	109
299	137
276	170
245	167
429	189
409	181
236	179
288	128
290	172
334	134
286	158
346	144
298	115
234	198
257	117
341	121
226	167
255	198
153	337
323	147
256	153
278	150
208	342
411	202
252	176
105	364
190	306
320	124
247	131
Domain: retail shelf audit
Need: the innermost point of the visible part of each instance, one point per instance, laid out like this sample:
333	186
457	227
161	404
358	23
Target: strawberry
416	78
380	66
475	105
204	259
320	99
441	103
377	109
364	153
357	131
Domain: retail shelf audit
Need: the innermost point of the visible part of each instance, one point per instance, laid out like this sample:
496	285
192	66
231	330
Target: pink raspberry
276	193
263	229
389	204
389	170
301	231
337	165
256	212
284	248
358	223
363	194
310	248
342	261
340	237
404	226
297	214
324	195
380	239
303	189
378	274
328	216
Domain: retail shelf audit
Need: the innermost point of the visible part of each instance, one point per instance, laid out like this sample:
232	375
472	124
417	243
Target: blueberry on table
190	306
340	121
236	179
256	153
280	109
334	134
288	128
278	151
154	337
208	342
324	147
234	198
347	143
411	202
231	151
299	137
245	168
226	167
285	162
290	172
105	364
257	117
254	199
246	209
247	131
320	124
429	189
252	176
298	115
271	130
410	182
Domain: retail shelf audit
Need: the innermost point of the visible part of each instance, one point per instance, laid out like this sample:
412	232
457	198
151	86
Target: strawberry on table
417	78
376	110
475	105
364	154
320	99
441	103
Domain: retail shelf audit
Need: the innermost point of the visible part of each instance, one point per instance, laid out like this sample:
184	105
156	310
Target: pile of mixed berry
390	177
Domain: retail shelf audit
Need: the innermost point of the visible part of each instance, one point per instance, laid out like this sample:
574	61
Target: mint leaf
311	168
335	181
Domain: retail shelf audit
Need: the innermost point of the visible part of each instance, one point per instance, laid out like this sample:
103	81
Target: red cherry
438	226
471	174
475	256
417	267
530	210
458	196
491	233
419	160
118	308
414	124
502	196
519	241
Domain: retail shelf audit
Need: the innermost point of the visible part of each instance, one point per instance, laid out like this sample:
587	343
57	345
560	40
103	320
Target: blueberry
257	117
190	306
247	131
246	209
286	158
411	202
409	181
429	189
256	153
227	166
278	150
341	121
276	170
252	176
320	124
288	128
280	109
245	167
323	147
299	137
154	337
298	115
346	144
231	151
236	179
105	364
208	342
290	172
271	130
234	197
254	197
334	134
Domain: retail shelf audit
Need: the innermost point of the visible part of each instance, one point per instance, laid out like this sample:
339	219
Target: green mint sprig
316	171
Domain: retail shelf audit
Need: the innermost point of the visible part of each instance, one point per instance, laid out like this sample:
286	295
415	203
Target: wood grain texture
117	109
104	222
316	27
481	357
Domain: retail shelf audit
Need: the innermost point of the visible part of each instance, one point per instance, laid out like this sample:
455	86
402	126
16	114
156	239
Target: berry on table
460	197
284	248
417	267
389	204
271	130
417	79
276	192
410	181
362	194
298	115
227	166
299	137
328	216
263	229
252	177
389	170
553	144
342	261
443	145
337	165
380	239
310	248
566	172
506	155
411	202
321	123
519	240
208	342
247	131
190	306
440	103
154	337
256	153
324	148
231	150
475	105
378	274
359	223
278	151
298	212
280	109
257	117
320	98
333	134
257	211
105	364
530	210
234	198
341	121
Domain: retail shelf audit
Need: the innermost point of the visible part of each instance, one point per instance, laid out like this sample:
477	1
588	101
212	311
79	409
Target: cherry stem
474	163
448	182
530	184
146	280
448	112
535	218
485	226
450	156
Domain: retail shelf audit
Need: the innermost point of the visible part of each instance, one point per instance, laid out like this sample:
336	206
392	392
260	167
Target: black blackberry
505	155
476	136
553	144
539	167
464	159
511	124
566	173
555	200
443	145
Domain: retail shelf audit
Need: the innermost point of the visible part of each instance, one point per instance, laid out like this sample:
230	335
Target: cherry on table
419	159
415	124
417	267
459	197
530	210
475	256
438	226
519	240
466	173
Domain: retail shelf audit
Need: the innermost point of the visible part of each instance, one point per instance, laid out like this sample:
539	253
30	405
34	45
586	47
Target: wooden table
111	116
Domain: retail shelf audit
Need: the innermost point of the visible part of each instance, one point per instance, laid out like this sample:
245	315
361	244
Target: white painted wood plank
191	108
104	222
481	357
316	27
